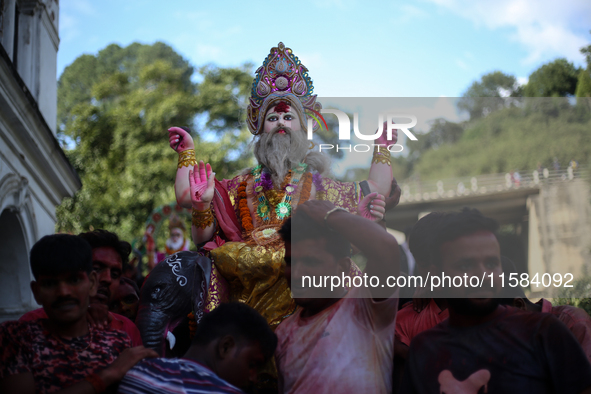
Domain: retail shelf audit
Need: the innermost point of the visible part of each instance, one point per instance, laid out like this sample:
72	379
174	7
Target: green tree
114	110
555	79
587	52
441	133
584	84
489	94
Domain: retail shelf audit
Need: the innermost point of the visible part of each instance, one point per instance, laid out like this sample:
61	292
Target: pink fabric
347	348
576	319
118	322
226	217
410	323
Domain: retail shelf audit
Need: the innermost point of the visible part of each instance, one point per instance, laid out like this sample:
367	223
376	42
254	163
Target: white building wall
35	175
36	54
7	27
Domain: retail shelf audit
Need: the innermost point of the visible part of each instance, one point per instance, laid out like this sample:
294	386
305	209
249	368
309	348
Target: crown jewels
282	77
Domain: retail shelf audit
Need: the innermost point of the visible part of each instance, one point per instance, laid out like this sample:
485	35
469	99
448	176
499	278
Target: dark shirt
56	363
516	352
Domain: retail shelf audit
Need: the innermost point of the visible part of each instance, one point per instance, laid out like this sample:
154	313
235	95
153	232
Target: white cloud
547	28
461	64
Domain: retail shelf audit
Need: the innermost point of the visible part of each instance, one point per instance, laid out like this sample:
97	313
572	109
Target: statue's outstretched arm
194	185
181	141
380	172
202	188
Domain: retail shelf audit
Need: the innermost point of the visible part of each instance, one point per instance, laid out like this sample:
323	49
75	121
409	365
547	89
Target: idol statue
176	242
237	219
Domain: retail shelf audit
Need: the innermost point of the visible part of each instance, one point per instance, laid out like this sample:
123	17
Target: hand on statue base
372	207
394	198
180	140
202	185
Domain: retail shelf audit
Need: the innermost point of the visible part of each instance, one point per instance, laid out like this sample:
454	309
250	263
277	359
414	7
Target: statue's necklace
281	200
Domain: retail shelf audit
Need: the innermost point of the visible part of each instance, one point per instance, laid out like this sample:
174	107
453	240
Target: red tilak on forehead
282	107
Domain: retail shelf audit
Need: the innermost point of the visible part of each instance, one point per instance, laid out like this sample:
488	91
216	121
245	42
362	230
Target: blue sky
427	48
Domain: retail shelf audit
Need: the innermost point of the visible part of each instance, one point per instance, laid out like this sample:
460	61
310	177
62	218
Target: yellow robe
254	274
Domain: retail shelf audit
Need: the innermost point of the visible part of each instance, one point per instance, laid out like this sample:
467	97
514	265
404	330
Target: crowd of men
358	339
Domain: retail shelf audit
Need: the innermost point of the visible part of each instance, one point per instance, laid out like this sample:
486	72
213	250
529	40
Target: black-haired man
411	321
63	353
231	345
483	346
109	255
339	339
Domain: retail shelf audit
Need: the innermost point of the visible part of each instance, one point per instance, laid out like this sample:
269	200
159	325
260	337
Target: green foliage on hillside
514	138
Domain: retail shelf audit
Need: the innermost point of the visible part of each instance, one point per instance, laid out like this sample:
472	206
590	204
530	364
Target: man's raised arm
380	248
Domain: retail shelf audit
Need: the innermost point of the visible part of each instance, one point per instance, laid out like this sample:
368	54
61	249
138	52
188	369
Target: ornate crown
282	77
175	222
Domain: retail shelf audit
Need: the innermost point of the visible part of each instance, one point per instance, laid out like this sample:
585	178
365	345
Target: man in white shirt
341	338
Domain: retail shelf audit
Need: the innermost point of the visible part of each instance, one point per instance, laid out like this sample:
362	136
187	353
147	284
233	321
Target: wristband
328	214
97	383
381	154
187	158
202	219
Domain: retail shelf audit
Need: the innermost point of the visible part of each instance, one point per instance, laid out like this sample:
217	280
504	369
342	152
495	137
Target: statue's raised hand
180	139
372	207
201	181
383	139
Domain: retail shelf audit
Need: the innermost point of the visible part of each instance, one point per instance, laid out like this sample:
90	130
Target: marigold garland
245	217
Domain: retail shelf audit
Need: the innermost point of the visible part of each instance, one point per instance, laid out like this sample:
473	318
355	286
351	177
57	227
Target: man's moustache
61	301
104	290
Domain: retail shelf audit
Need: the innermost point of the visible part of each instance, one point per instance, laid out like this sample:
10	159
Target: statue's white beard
174	245
281	152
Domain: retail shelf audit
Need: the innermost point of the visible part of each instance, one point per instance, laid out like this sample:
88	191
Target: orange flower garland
245	217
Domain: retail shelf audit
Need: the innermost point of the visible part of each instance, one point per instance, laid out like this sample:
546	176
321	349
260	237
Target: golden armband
202	219
187	158
381	154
